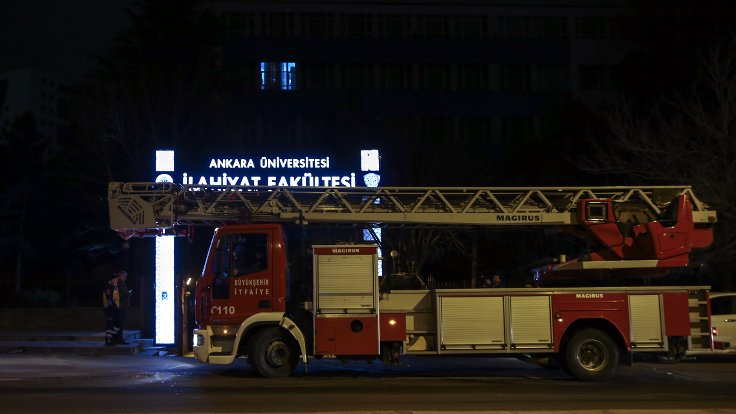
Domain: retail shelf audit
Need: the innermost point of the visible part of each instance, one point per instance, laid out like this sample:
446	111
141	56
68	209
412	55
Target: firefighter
123	305
497	281
111	309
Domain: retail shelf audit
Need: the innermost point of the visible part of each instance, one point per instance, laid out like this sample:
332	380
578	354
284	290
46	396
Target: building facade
471	72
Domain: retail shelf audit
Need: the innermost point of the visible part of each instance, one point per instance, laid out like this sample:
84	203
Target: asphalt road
136	384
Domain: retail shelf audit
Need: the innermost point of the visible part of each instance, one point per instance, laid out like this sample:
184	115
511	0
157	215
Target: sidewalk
74	342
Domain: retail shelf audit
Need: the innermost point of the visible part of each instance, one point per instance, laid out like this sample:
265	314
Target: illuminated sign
164	288
282	171
272	172
164	283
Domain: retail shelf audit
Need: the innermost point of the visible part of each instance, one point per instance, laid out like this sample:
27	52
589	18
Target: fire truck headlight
392	322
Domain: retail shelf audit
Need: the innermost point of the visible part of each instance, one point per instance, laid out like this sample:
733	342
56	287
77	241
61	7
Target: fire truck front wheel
273	354
591	355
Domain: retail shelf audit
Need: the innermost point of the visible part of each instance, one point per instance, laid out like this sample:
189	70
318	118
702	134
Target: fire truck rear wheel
591	355
273	354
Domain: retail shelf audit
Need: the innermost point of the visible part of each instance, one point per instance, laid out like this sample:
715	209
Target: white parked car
723	317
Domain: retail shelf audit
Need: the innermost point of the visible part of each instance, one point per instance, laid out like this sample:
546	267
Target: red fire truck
248	302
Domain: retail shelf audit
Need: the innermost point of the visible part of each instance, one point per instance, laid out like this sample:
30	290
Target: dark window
539	27
317	24
357	75
724	305
237	255
434	76
552	27
550	128
250	254
476	130
595	77
279	24
517	128
355	25
553	78
240	23
598	27
434	26
222	268
471	26
395	75
393	25
473	76
515	27
243	74
515	77
597	211
320	75
668	216
437	129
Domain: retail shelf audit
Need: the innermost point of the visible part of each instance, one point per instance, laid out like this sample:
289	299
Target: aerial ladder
245	310
649	228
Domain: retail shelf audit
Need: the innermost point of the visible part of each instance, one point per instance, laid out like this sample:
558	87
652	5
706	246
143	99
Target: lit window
278	75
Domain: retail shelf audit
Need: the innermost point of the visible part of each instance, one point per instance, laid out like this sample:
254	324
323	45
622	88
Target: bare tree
156	89
688	139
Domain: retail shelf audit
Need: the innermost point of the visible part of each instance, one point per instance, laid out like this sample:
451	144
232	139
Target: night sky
58	37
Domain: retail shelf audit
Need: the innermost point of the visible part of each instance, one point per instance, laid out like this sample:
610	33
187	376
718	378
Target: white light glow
372	180
164	161
164	178
165	290
369	160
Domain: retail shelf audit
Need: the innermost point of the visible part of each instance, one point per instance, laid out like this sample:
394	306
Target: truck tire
591	355
273	355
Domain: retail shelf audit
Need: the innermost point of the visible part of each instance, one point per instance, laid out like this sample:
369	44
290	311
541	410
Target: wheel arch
601	324
249	327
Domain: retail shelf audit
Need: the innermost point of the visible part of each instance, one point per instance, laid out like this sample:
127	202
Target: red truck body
348	316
